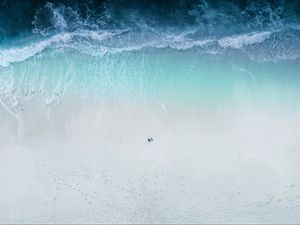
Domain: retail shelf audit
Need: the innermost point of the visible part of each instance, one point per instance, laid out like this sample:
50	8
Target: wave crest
238	41
262	46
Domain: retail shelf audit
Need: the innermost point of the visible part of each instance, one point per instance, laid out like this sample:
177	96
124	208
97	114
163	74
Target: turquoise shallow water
184	76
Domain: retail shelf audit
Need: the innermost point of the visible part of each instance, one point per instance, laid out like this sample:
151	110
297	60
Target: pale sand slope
90	162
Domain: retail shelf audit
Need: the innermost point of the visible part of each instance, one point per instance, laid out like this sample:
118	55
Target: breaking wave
268	46
239	41
260	30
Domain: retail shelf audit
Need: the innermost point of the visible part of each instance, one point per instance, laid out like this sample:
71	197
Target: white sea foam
100	43
184	45
96	35
295	26
87	42
12	55
239	41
